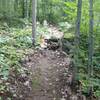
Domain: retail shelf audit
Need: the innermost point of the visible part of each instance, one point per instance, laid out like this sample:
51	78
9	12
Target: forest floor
49	74
44	74
51	77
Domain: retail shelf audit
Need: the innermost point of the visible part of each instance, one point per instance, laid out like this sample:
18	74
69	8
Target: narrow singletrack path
50	75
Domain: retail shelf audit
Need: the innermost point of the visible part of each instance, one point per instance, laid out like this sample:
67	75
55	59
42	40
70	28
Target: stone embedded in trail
63	99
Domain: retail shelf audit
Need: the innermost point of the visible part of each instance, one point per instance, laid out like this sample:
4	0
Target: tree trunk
26	7
23	8
30	8
90	37
34	10
77	37
15	5
90	42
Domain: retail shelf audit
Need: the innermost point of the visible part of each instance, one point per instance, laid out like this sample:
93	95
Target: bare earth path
50	74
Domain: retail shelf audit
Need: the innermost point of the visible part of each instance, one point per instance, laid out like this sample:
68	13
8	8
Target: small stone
62	92
57	79
66	95
1	81
49	68
29	66
57	63
66	69
53	91
45	91
26	83
23	75
50	83
21	96
57	70
65	74
61	64
60	70
46	79
7	83
63	99
14	95
54	98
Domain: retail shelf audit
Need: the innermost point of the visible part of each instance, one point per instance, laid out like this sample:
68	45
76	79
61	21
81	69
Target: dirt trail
50	73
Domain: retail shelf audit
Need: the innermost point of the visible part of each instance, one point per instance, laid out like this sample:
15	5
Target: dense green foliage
15	33
83	58
13	46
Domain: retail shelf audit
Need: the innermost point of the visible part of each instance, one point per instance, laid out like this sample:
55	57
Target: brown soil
48	77
49	69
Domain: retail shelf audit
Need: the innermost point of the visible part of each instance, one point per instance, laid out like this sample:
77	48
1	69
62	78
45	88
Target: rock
1	81
27	83
73	97
63	99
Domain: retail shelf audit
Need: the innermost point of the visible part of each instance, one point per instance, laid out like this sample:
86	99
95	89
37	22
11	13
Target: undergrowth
15	43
